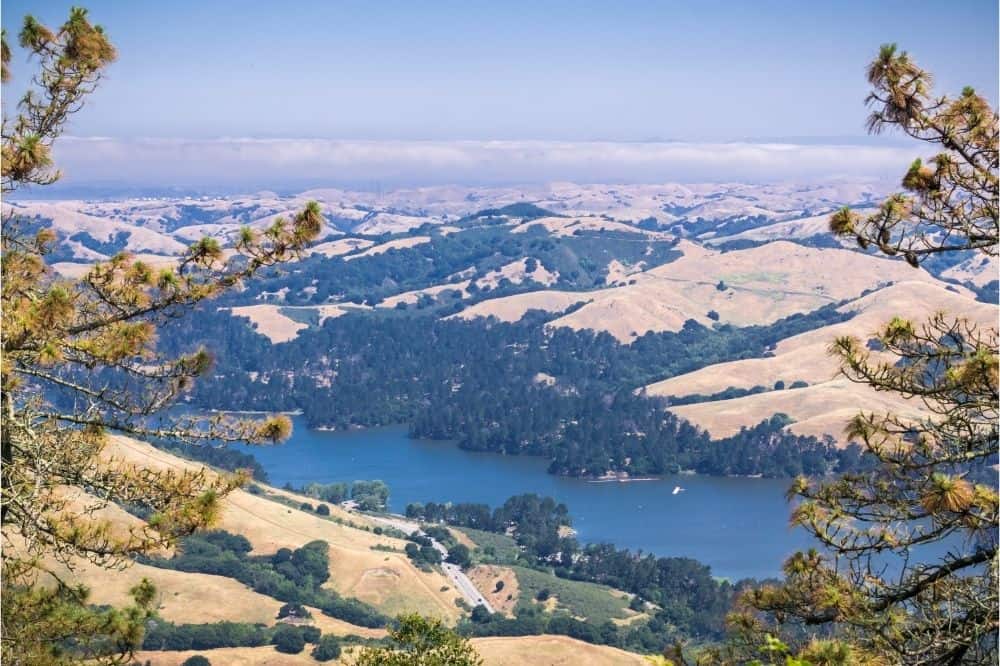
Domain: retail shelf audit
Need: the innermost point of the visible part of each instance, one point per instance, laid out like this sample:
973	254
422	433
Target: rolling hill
745	287
825	405
495	651
364	565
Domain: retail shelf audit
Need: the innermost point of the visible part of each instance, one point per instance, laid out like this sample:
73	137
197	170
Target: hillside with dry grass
743	288
825	405
364	564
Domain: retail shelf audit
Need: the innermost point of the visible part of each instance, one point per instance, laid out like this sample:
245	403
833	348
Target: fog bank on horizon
243	164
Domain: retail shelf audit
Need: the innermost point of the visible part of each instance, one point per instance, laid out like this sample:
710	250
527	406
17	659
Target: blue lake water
737	526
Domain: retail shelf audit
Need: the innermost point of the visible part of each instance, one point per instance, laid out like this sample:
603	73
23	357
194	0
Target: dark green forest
474	383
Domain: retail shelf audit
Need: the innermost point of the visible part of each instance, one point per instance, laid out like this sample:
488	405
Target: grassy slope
551	651
825	406
797	279
595	603
385	579
495	651
504	548
486	578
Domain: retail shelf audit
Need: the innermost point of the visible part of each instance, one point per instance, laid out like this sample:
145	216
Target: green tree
288	639
91	342
419	641
459	554
327	649
197	660
908	569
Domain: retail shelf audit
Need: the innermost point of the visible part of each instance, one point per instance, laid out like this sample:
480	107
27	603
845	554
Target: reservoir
737	526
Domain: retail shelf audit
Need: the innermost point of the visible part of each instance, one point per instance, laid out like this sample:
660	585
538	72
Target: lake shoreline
701	523
609	477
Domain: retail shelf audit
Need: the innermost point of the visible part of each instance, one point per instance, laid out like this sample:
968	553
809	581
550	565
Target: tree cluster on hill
418	641
580	262
370	495
684	599
689	599
534	521
290	639
421	551
293	576
474	382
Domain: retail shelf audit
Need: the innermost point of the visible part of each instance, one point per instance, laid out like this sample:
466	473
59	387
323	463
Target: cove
737	526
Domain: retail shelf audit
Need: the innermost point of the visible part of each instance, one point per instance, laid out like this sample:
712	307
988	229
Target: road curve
472	595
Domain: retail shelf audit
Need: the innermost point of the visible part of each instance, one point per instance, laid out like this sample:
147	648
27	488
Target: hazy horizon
248	95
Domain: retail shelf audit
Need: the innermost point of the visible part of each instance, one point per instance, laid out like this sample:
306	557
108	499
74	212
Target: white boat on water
677	490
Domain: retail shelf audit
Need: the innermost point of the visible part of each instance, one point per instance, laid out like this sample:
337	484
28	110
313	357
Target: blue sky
700	72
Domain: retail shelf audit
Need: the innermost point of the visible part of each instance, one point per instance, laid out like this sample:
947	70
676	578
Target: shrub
327	649
323	510
196	660
288	640
310	634
459	554
480	615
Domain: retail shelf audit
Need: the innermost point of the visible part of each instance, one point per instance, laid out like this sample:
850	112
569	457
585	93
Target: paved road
454	573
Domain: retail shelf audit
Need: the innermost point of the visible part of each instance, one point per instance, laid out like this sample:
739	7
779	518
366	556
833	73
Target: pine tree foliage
80	366
420	641
950	203
907	568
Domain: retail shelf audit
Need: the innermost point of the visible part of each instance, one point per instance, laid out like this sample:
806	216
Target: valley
644	516
652	361
658	268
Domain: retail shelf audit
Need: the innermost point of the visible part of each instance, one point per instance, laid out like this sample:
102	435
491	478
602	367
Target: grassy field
387	580
504	550
391	583
551	651
258	656
495	651
829	401
665	297
595	603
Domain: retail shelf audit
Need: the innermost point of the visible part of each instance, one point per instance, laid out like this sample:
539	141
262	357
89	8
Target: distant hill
826	404
625	260
744	287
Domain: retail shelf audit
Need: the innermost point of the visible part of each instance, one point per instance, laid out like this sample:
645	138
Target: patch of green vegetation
491	548
581	262
293	576
596	603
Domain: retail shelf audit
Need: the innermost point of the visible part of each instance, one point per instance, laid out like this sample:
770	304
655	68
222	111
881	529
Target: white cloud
237	162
